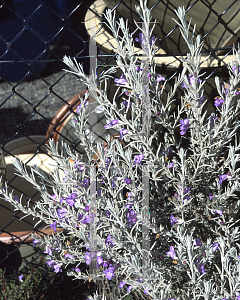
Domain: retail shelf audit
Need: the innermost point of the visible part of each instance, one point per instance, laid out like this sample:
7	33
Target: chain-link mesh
38	98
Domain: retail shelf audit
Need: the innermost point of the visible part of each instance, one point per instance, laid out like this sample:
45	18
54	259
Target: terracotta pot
61	129
200	14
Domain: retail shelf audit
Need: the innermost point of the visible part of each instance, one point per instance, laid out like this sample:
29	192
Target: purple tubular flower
35	242
126	103
71	257
122	133
48	250
172	220
160	78
215	247
222	178
85	183
219	212
61	213
171	252
197	242
120	80
54	226
234	68
20	278
112	123
213	119
140	39
109	273
128	180
191	79
57	268
121	284
201	269
184	127
109	242
71	199
131	218
171	165
50	263
218	101
89	257
138	158
210	196
129	288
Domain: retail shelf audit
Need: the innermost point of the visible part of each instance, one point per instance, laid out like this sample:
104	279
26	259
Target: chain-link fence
38	98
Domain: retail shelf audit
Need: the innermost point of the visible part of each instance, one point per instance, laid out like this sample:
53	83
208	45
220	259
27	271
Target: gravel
27	108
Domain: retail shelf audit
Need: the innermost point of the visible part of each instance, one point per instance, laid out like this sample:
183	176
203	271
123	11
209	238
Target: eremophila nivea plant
178	161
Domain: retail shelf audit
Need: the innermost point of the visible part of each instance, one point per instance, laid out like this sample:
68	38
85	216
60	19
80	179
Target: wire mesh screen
38	98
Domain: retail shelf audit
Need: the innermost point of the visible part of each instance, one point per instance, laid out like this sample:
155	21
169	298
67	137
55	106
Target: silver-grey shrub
193	178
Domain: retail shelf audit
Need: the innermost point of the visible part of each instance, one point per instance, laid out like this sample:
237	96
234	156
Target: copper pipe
23	236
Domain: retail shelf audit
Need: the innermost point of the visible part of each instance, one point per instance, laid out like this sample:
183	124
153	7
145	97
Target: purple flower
173	220
218	101
210	196
215	247
171	252
222	178
78	166
20	278
226	87
71	199
50	263
171	165
126	103
197	242
219	212
201	269
109	273
57	268
131	218
140	39
112	123
61	213
122	133
16	198
191	80
160	78
145	290
184	127
138	158
85	183
121	284
120	80
71	257
238	297
89	257
128	180
53	226
48	250
129	288
83	104
99	261
109	242
234	68
35	242
212	120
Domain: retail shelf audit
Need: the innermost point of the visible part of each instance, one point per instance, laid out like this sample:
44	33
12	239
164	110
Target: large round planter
200	14
26	150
